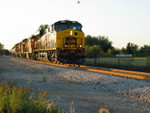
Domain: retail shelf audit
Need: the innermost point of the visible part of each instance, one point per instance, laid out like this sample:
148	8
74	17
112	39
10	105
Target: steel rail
109	71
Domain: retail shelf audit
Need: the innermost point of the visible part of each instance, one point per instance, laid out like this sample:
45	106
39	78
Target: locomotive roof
67	22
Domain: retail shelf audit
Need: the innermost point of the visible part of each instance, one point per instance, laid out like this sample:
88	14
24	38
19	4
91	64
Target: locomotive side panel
46	42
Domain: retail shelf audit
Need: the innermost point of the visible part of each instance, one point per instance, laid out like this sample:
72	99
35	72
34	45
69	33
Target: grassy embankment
20	100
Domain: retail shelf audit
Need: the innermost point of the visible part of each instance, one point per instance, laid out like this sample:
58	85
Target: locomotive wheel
51	56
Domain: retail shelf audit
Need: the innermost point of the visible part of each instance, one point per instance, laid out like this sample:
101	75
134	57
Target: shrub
19	100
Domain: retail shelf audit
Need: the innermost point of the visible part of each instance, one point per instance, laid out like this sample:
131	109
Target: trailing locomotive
62	42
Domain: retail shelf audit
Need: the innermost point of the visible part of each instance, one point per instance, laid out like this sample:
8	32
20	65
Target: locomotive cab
70	42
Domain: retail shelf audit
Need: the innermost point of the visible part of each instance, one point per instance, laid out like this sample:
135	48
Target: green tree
113	51
1	46
94	51
42	29
123	50
144	50
90	41
102	41
131	48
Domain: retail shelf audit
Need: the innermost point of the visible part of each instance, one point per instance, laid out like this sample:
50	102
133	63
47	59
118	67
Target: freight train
62	42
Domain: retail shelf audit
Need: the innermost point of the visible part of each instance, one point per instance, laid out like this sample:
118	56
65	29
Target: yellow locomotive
63	42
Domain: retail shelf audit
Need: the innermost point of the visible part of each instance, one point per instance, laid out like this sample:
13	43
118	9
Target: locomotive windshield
75	26
63	25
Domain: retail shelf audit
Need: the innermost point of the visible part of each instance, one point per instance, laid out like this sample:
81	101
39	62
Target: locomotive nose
72	55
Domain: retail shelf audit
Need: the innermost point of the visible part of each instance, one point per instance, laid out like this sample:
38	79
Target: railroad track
117	72
110	71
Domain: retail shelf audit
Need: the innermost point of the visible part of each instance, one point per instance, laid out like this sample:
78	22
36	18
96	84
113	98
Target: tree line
102	46
3	51
1	46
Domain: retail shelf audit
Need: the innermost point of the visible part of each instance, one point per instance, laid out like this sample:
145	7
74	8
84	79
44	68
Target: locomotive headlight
65	45
80	45
71	32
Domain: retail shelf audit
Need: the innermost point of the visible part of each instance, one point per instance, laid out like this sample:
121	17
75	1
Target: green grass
136	61
133	63
20	100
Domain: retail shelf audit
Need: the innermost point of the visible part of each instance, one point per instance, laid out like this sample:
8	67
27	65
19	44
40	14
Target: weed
18	100
44	78
72	108
2	77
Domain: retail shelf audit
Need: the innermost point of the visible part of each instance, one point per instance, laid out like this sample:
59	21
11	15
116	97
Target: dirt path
85	92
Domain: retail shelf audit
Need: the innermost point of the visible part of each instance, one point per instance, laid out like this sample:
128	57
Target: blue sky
122	21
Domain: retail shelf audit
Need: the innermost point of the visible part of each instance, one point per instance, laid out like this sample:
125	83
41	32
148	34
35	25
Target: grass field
122	62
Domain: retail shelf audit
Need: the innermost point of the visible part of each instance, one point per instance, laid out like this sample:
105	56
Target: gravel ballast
78	90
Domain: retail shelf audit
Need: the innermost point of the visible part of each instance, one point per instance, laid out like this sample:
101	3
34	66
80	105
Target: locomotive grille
70	42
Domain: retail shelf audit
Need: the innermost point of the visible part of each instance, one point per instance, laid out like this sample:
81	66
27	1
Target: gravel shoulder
83	91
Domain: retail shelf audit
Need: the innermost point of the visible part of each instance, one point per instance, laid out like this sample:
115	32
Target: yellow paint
45	49
69	33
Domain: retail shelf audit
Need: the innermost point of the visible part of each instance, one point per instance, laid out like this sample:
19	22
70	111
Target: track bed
85	91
